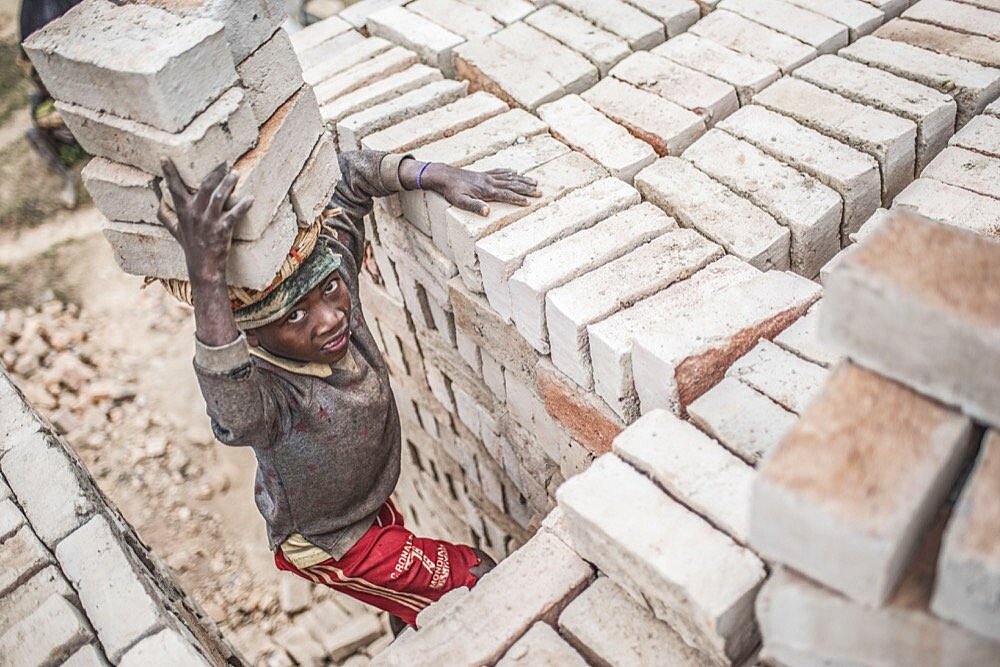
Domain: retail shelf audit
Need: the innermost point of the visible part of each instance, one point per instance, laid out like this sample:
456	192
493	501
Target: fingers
221	194
176	185
167	219
520	184
506	196
205	192
471	204
234	215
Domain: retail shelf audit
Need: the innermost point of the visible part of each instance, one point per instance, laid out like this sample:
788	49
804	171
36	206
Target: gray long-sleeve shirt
327	440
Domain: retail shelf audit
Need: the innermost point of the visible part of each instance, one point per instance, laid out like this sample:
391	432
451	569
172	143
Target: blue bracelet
420	174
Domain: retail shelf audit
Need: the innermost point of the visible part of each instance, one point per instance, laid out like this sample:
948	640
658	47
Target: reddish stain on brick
589	425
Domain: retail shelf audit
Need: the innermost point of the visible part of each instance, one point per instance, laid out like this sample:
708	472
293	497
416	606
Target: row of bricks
70	574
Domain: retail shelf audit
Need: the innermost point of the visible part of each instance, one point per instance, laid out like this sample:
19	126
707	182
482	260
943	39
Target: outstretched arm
468	190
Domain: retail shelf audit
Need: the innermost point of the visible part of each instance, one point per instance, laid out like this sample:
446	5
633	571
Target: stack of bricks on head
201	83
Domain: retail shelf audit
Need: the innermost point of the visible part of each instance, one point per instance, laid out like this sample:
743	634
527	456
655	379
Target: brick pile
201	83
77	585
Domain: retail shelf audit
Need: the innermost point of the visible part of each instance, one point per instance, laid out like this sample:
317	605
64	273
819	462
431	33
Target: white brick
506	12
811	211
248	24
673	370
336	63
333	54
833	502
788	380
136	61
878	296
357	13
270	75
981	134
966	169
802	339
933	112
433	125
821	33
591	132
609	627
978	49
696	470
164	649
951	205
555	178
221	133
748	423
668	127
957	16
351	637
377	92
710	98
708	599
62	503
973	86
482	140
591	298
150	250
541	646
458	17
968	571
318	34
507	73
853	174
597	45
891	8
352	129
860	17
10	519
88	656
746	73
48	635
365	72
573	72
431	41
122	192
676	15
699	202
638	29
557	264
889	139
500	254
23	556
739	34
314	185
993	108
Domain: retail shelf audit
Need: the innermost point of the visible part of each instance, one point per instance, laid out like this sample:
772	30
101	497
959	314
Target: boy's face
316	329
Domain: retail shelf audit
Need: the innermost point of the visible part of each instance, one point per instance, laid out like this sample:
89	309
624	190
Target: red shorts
392	569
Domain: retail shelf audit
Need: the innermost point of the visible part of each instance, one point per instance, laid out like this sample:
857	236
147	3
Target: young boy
297	377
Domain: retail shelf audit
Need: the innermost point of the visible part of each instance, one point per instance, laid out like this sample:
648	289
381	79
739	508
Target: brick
48	635
417	251
753	39
973	86
699	202
861	18
853	174
889	139
599	46
966	169
584	128
335	63
669	128
610	628
981	134
968	571
565	259
802	339
314	37
502	253
889	296
531	412
221	133
706	96
748	423
811	211
588	421
432	42
270	75
247	25
933	112
435	124
956	16
857	537
88	58
598	295
708	600
638	29
458	17
352	129
10	519
377	92
314	185
819	32
891	8
357	13
951	205
150	250
122	192
21	601
976	48
166	647
87	656
351	637
482	140
542	646
23	556
573	72
788	380
746	74
676	15
507	73
671	371
57	507
505	12
693	468
484	624
555	178
363	73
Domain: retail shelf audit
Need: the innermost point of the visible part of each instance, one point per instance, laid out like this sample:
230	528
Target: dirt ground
109	363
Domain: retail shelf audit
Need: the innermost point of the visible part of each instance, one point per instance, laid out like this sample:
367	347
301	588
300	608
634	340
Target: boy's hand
203	226
470	190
